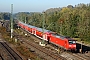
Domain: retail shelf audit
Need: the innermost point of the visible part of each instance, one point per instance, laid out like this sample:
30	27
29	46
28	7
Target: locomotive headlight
74	45
70	45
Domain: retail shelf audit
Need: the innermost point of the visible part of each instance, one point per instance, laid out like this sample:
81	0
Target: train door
34	31
26	28
45	36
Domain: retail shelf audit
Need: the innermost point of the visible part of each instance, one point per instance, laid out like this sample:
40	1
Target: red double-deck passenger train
61	41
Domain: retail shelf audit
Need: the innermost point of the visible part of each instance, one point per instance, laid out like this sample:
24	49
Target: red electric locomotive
64	42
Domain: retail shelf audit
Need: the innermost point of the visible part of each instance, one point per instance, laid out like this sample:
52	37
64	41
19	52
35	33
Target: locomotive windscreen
72	42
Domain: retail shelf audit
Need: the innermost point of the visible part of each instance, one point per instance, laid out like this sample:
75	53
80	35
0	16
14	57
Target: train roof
31	26
40	29
22	23
62	37
28	25
58	36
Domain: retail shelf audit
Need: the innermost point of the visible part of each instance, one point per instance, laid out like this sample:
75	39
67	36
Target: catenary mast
11	20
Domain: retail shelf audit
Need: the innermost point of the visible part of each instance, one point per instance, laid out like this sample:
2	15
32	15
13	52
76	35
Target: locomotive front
72	45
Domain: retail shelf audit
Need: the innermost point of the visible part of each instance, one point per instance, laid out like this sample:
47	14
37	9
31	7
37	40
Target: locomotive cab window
72	42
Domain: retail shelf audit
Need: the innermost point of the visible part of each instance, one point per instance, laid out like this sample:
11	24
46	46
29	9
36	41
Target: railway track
50	54
68	56
1	58
82	56
75	56
8	53
41	51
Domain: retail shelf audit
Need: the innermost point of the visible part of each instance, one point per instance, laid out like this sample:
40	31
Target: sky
36	5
